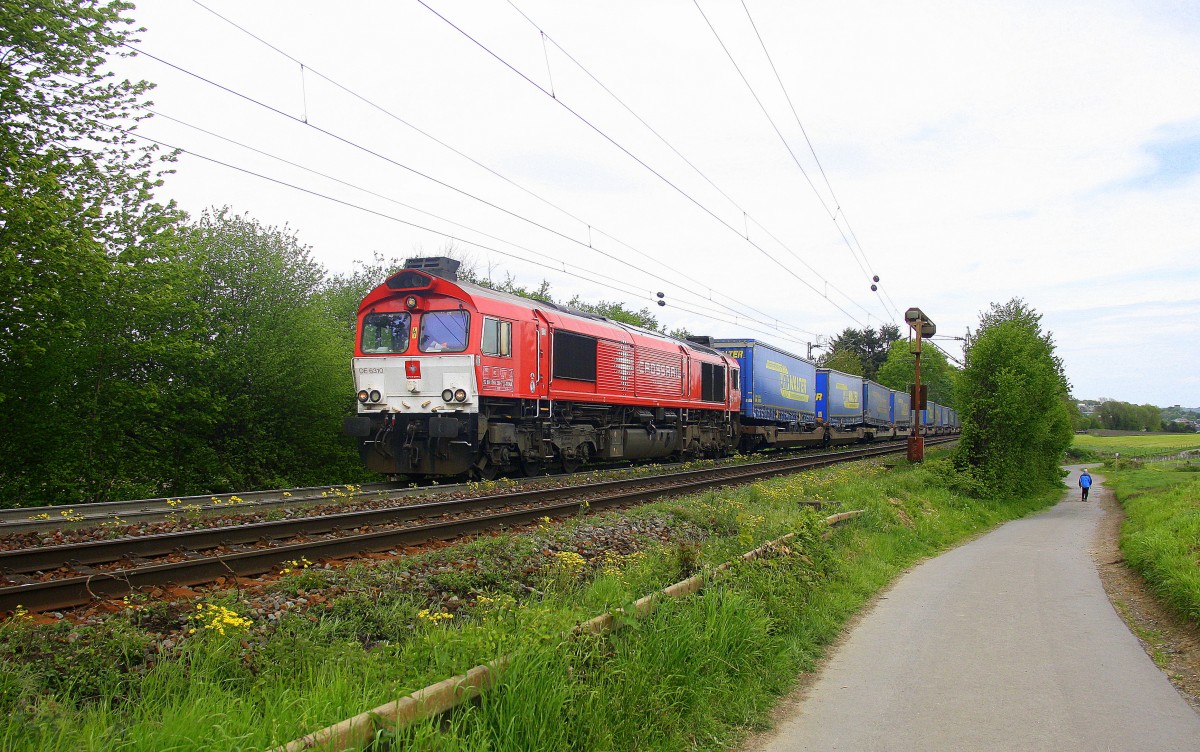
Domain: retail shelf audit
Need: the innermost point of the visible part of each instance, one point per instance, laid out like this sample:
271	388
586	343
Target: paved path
1006	643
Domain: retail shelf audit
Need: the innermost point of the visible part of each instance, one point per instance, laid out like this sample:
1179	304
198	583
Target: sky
757	162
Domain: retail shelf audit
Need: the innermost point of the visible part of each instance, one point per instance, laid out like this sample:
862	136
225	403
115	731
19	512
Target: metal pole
916	442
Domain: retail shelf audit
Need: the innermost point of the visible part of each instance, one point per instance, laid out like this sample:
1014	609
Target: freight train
456	379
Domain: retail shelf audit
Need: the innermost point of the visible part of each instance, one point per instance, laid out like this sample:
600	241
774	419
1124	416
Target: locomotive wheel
484	468
533	468
488	471
581	457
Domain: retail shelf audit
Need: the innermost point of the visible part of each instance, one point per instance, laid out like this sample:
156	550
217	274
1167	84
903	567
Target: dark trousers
1085	490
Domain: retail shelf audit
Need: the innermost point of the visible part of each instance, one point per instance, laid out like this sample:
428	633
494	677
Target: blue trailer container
929	416
777	386
839	398
901	409
936	418
877	404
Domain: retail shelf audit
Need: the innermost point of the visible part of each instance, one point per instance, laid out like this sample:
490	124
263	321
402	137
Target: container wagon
779	395
839	405
877	410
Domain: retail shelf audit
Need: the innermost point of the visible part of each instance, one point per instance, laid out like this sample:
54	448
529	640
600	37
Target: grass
1161	534
1092	448
696	674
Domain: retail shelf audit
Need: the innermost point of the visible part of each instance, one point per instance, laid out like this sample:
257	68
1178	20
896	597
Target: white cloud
981	151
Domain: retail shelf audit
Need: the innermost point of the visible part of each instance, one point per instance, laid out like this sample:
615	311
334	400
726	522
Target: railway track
36	519
18	520
57	577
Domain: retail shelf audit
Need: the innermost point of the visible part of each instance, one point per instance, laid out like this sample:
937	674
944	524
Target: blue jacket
1085	480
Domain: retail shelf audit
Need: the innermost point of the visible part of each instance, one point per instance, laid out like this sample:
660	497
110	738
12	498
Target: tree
74	188
262	403
1124	416
1012	402
91	413
210	360
78	253
937	374
845	361
869	346
617	312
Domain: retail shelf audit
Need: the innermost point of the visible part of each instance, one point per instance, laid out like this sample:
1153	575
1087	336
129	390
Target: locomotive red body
454	378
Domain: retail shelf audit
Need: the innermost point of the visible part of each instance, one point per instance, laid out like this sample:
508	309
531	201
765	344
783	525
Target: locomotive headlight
460	395
363	396
376	396
411	302
447	395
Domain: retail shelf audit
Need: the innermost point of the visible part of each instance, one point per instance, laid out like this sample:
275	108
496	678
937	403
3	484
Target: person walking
1085	482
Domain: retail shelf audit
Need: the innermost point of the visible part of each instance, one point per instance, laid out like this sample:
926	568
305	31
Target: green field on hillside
1098	448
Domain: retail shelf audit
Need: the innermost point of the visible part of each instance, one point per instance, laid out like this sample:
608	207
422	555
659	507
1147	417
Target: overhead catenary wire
746	216
837	202
676	273
367	191
837	208
553	267
558	269
779	329
637	159
736	313
440	142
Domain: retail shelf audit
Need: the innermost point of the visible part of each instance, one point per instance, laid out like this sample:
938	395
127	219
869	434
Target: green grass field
1161	533
1089	447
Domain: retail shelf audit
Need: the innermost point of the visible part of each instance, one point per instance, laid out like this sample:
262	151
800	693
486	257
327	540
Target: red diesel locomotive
454	378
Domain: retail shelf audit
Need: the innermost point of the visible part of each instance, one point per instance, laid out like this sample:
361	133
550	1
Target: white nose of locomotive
444	383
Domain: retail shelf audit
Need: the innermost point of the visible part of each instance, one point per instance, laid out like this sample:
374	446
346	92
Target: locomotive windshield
444	331
385	332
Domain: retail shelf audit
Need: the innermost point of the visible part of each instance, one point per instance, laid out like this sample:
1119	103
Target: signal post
924	327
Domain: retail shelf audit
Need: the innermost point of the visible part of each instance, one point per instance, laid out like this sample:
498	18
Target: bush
1013	404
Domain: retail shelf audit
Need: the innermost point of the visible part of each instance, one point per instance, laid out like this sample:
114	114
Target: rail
408	523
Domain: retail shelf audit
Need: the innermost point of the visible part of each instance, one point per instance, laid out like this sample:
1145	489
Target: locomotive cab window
444	331
385	333
497	337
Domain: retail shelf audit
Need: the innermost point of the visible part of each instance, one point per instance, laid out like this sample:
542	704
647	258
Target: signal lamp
375	395
363	396
411	302
460	395
447	395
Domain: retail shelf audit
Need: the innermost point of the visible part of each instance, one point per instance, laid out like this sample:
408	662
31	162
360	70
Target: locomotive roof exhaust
439	266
